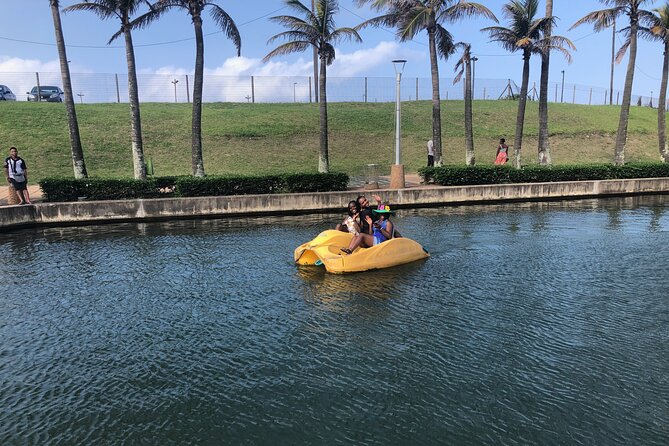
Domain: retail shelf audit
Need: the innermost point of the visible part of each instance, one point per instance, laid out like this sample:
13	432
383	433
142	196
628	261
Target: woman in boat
351	223
380	230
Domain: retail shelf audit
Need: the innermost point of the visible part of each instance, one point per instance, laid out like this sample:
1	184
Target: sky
167	47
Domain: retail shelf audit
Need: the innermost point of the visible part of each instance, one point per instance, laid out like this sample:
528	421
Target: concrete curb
93	212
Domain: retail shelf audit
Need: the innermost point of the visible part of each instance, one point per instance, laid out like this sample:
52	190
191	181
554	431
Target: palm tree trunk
621	137
197	163
323	158
661	107
469	126
78	162
436	101
520	119
139	167
544	146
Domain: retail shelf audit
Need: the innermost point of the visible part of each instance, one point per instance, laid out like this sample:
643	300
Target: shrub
462	176
67	189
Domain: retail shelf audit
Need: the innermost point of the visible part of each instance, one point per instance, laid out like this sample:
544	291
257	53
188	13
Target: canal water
543	323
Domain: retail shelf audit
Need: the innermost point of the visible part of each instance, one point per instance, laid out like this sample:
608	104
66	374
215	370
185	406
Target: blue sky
167	47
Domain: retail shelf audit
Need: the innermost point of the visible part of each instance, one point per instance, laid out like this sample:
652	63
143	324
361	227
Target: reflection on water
536	323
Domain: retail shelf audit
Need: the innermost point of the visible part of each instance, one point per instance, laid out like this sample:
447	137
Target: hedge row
463	176
65	189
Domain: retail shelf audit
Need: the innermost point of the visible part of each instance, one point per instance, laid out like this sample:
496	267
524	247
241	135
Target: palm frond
600	20
100	9
464	9
413	22
341	34
444	41
293	36
287	48
623	49
227	25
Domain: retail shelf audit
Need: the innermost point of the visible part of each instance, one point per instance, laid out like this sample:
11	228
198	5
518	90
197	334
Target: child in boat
352	222
380	230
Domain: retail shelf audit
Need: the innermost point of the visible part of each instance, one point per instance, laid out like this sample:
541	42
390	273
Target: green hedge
67	189
463	176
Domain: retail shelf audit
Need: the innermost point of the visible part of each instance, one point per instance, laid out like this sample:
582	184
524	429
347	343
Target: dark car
46	93
6	94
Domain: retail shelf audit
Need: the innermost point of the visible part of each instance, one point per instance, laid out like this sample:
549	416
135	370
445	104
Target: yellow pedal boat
325	250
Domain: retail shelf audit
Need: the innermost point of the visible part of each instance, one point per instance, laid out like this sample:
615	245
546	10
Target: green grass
249	139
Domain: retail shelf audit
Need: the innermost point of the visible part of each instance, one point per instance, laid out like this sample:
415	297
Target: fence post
605	94
556	89
118	92
310	89
590	100
573	98
187	90
447	95
416	88
365	89
617	98
39	90
253	91
484	93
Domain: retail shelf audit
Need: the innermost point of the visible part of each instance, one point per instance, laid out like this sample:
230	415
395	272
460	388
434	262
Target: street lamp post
397	169
562	92
175	82
474	59
294	97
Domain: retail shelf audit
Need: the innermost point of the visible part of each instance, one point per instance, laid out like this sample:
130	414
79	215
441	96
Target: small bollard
372	177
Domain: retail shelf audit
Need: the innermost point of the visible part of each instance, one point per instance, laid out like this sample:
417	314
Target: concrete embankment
89	212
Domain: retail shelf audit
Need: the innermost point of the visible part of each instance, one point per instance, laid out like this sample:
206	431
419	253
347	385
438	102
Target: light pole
562	93
175	82
294	97
81	97
397	169
474	59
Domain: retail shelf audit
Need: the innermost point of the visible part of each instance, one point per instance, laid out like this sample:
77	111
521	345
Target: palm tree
528	35
315	29
464	67
410	17
544	146
655	26
123	10
601	20
75	140
227	25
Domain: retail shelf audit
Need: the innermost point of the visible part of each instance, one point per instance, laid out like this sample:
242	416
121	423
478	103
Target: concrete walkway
33	190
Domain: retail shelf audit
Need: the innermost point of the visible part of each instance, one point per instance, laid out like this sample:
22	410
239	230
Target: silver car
6	94
46	93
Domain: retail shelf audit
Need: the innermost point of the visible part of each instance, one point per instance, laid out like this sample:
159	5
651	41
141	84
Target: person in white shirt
430	153
16	173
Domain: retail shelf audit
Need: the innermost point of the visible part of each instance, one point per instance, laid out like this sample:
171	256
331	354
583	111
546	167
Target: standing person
502	155
430	153
16	173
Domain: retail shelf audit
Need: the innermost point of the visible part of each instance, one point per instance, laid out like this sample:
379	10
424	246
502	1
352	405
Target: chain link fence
110	87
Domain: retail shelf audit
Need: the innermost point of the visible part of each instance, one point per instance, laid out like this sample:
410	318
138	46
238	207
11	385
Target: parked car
46	93
6	94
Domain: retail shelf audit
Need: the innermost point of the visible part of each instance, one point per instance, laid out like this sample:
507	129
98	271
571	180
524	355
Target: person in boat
366	211
352	222
380	230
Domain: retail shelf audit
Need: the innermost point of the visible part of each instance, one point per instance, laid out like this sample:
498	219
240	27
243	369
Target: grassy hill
276	138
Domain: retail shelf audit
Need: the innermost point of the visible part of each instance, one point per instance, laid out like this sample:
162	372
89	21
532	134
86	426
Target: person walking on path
502	155
430	153
16	173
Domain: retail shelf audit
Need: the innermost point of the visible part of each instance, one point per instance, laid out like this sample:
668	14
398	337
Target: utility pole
316	83
81	95
613	60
